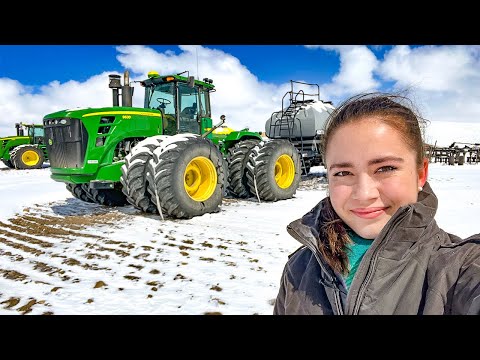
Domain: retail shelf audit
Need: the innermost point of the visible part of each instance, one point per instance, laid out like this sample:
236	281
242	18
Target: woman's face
371	173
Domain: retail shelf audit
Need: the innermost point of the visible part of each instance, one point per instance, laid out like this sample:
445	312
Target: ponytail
333	239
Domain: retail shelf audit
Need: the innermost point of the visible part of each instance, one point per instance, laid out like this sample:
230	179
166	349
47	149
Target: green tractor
24	151
166	157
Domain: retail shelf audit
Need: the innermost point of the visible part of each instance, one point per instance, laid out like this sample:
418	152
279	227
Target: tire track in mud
36	237
48	251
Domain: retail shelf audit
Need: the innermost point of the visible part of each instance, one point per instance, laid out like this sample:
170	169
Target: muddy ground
48	249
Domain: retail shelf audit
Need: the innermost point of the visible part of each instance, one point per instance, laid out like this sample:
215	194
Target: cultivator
457	153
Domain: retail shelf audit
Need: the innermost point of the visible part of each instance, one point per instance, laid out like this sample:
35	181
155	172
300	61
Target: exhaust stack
127	90
114	84
19	128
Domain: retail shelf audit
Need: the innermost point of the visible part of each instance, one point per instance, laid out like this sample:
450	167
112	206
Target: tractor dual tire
237	159
107	197
78	192
186	175
8	163
273	170
134	174
25	157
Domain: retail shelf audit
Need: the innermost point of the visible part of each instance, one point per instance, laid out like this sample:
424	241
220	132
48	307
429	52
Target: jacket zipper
373	262
338	301
337	298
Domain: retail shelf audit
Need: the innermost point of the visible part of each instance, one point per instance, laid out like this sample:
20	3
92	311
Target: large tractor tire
134	174
186	175
8	163
27	157
273	170
107	197
237	159
78	192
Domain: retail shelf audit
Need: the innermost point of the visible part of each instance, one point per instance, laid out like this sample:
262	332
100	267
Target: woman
372	246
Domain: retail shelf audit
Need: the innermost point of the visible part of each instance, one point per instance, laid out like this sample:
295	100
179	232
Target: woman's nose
365	188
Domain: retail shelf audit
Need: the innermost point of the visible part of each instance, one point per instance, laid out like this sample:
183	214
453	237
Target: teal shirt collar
355	253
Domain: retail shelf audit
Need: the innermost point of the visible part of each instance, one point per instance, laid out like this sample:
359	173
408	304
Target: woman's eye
386	169
342	173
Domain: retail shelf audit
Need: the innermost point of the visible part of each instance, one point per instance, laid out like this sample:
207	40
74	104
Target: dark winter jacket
412	267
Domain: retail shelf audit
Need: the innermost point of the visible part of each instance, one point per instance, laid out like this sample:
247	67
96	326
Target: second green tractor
26	149
166	157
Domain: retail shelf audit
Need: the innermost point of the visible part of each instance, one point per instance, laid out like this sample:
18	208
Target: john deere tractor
165	157
24	151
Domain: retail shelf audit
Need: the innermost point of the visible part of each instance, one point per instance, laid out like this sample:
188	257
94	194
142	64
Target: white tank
309	119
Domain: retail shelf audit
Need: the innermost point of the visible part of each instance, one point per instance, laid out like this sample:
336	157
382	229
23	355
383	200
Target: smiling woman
373	246
367	187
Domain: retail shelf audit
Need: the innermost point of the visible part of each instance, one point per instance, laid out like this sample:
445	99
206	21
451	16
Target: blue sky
39	64
250	79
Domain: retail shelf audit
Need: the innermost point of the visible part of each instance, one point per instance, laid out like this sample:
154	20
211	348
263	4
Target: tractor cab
184	102
36	133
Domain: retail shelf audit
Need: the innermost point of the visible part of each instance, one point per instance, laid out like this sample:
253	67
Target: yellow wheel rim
30	158
284	171
200	178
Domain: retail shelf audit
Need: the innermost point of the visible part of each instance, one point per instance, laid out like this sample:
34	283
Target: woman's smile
369	213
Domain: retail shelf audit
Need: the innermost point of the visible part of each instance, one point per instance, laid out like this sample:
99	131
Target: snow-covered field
59	255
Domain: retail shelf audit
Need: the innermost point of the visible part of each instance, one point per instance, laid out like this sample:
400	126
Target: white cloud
21	104
444	133
432	68
240	95
355	75
445	80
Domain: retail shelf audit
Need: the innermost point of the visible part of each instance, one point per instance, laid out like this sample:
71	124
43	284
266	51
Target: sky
59	255
442	80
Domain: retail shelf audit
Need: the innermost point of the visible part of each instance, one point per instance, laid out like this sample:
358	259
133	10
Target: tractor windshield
163	98
36	132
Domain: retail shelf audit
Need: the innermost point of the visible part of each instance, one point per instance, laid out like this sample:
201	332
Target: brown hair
396	111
